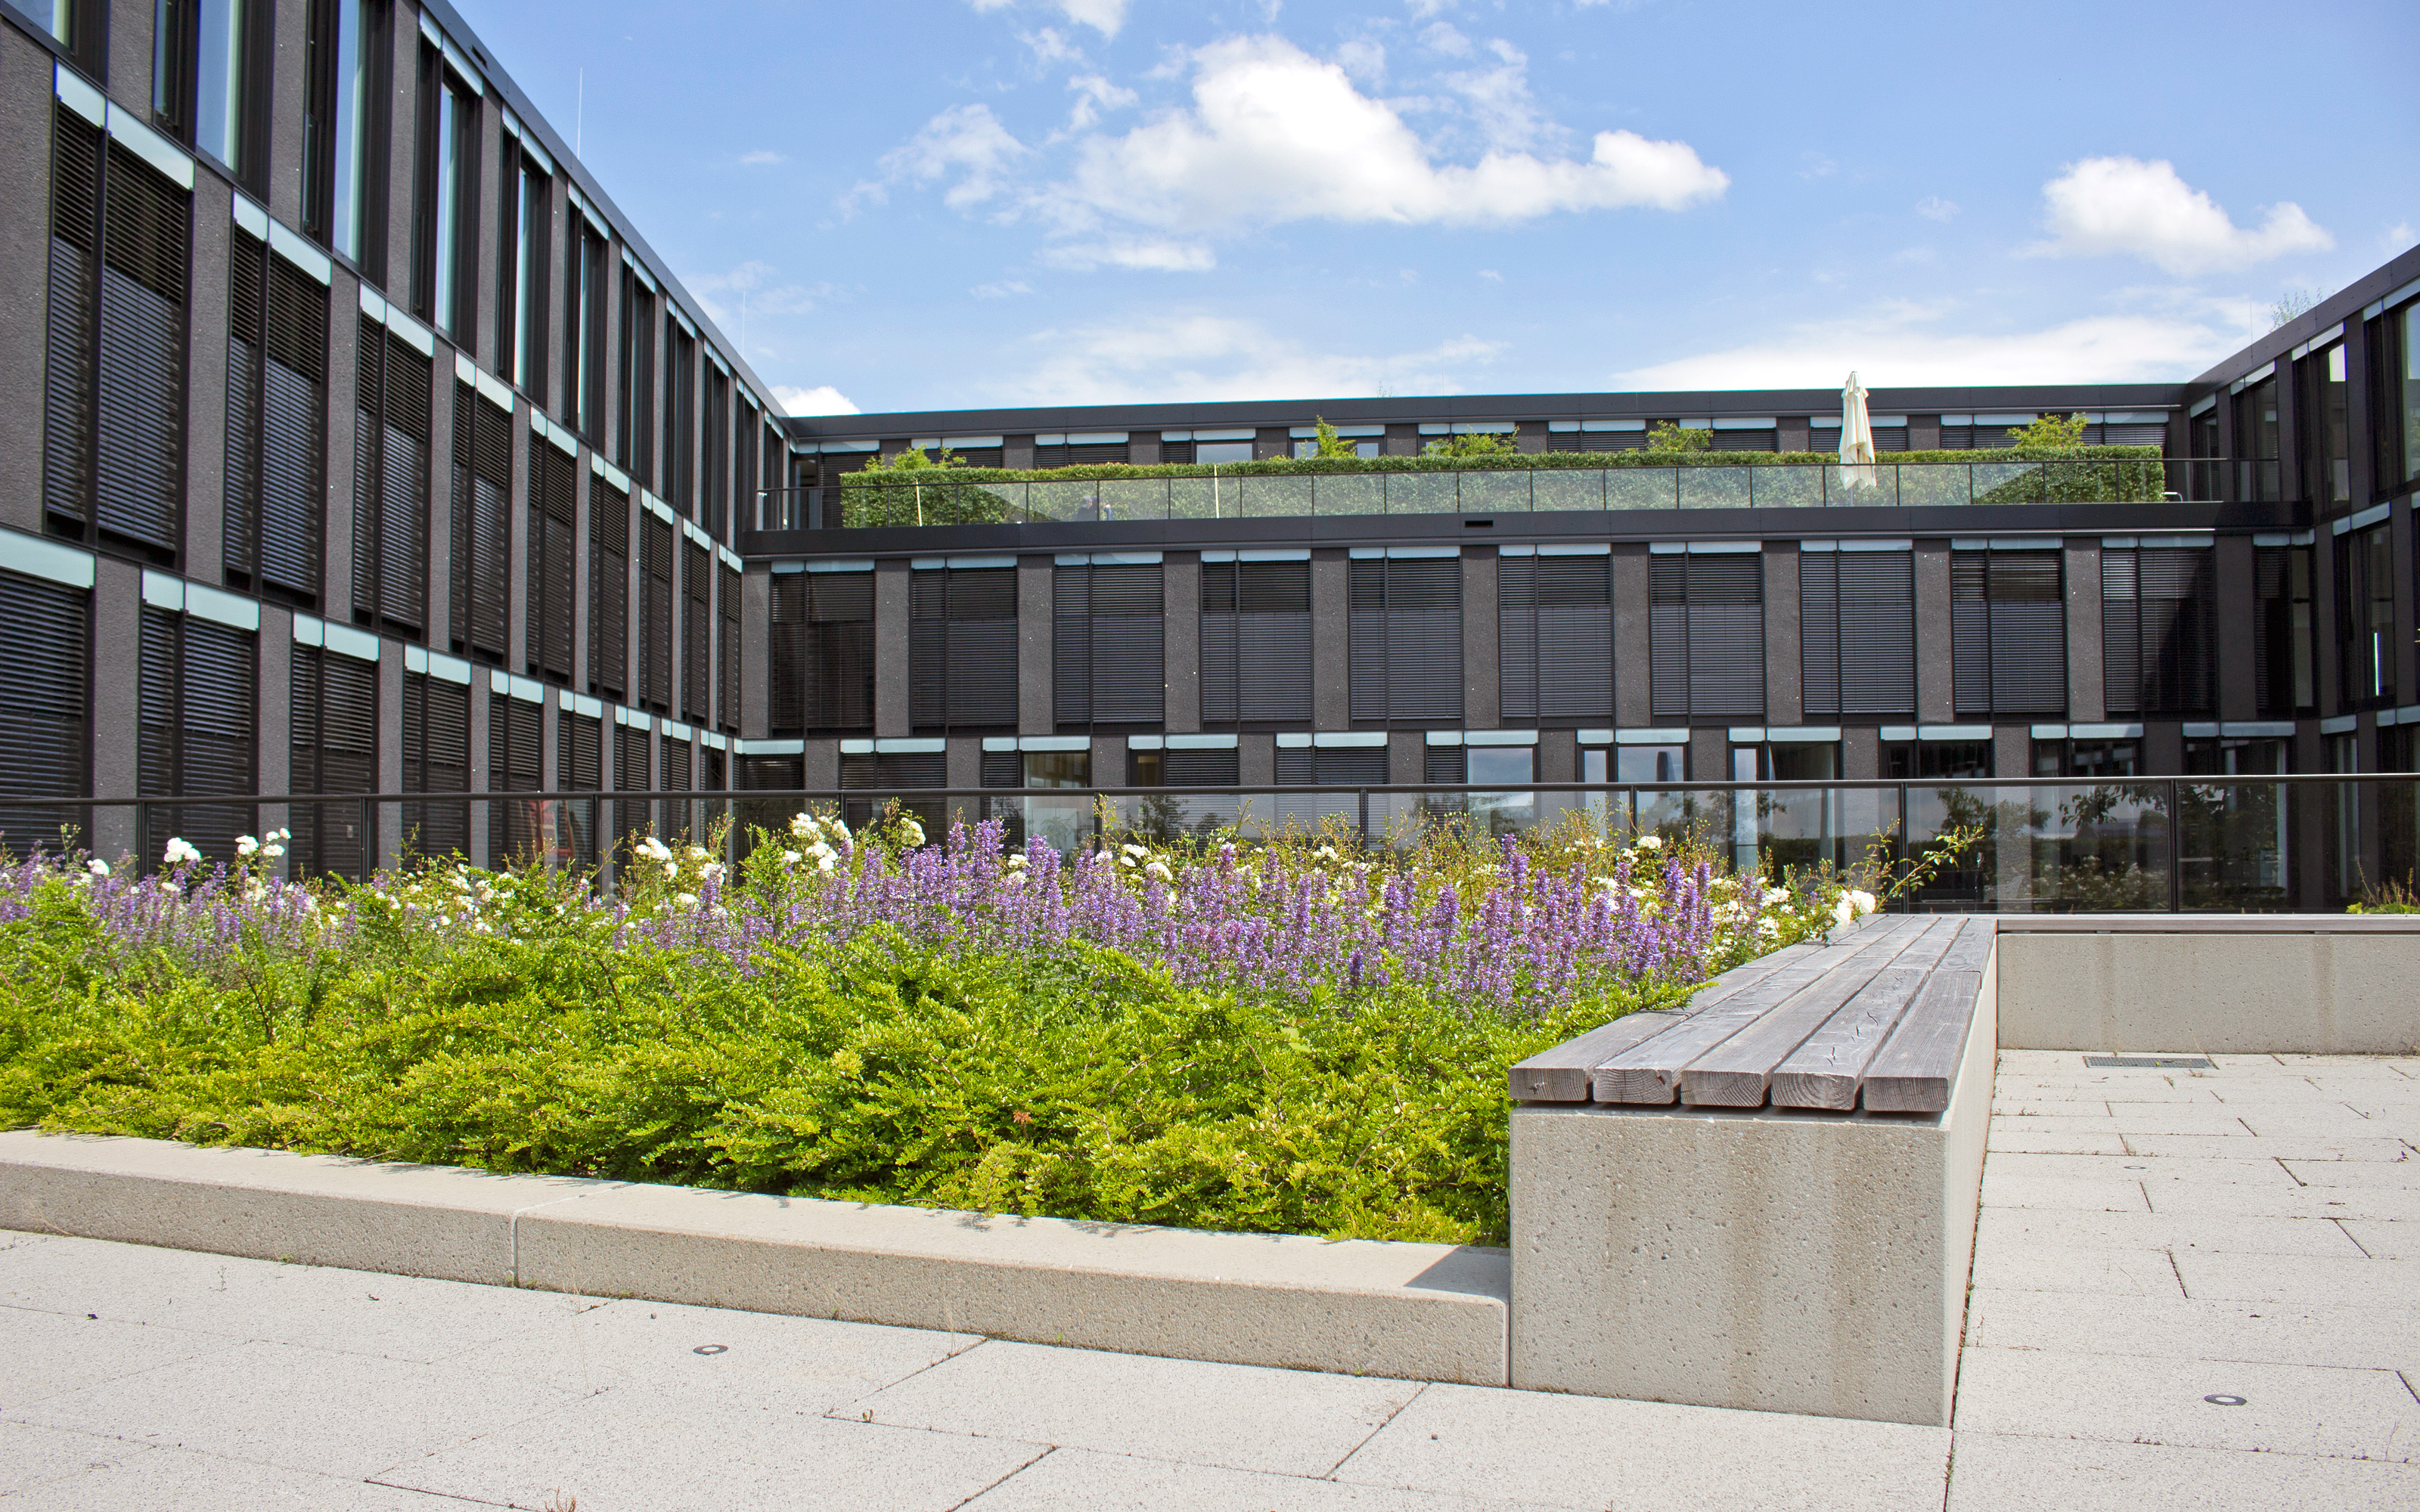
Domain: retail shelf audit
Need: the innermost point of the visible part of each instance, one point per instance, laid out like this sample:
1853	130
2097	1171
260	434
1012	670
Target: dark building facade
358	443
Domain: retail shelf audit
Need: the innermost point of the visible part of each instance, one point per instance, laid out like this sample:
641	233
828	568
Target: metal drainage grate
2153	1062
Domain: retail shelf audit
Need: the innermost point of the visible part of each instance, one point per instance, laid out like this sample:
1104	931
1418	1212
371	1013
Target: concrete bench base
1422	1311
1774	1260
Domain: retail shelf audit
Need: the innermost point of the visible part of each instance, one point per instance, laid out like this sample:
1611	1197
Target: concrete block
1766	1259
2207	992
1285	1422
319	1209
1428	1312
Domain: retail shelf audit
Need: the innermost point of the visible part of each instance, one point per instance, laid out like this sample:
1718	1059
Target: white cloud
1441	37
965	142
1102	16
752	288
1905	344
1157	254
1491	275
1207	357
1050	47
823	399
1005	288
1274	134
1933	207
1095	94
2124	204
2398	235
1363	59
1499	100
762	156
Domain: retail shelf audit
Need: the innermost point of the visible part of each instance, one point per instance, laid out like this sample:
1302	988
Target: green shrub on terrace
2035	474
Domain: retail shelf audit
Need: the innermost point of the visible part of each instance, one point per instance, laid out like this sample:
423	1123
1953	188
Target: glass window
199	74
1058	769
1927	759
448	243
343	96
2281	640
1792	761
1495	765
2399	428
1301	449
1650	763
2262	757
522	307
2328	458
2365	615
2089	759
1222	452
2256	441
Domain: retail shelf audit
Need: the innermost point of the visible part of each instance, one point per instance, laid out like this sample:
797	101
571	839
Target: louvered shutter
1725	636
1200	768
697	633
215	715
1272	641
436	759
891	773
393	391
962	648
670	817
2028	633
1444	765
247	322
513	766
788	672
369	439
927	649
70	391
1404	639
656	612
1071	645
633	771
1819	631
726	607
1350	766
2159	629
156	700
1000	770
609	587
1366	638
140	441
549	560
1296	767
773	774
1218	645
579	767
332	723
2121	631
491	538
1970	631
45	674
1857	621
1575	599
294	434
1516	638
1667	635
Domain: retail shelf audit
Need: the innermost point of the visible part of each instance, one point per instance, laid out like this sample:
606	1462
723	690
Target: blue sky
934	204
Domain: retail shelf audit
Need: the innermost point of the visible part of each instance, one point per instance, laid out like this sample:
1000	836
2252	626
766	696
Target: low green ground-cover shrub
862	1018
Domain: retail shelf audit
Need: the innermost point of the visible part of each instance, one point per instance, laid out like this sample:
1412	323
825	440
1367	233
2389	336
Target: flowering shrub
1301	1035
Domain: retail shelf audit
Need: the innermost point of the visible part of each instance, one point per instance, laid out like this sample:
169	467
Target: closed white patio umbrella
1856	437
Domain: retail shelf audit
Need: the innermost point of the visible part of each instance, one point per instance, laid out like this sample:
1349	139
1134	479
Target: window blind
1108	650
962	648
45	674
726	653
892	772
579	768
514	765
1255	642
392	392
1326	766
821	652
1856	616
198	711
1554	642
436	759
332	727
550	561
697	633
482	545
1404	639
655	612
2285	682
609	588
69	383
2008	626
1705	636
2159	629
633	760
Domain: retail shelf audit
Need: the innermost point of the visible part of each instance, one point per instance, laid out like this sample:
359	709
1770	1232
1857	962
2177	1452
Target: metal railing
2165	843
933	499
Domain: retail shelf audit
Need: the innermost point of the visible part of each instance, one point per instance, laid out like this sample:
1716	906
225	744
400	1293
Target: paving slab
640	1451
181	1478
2193	1329
767	1359
2355	1173
125	1283
347	1415
2348	1282
2073	1271
2125	1168
2287	1409
2386	1203
1067	1478
31	1457
50	1354
1243	1417
2384	1241
2283	1147
1653	1457
2001	1473
2088	1193
2054	1136
2001	1231
2219	1120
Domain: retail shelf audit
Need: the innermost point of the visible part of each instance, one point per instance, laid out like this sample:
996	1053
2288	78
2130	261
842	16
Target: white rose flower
245	844
179	854
1864	902
671	868
97	867
1133	850
825	863
802	825
1015	861
1843	910
791	857
272	851
911	833
699	853
1157	868
1125	860
1651	843
1775	895
686	899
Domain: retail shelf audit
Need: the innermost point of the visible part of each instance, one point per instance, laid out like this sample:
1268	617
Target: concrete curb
1418	1312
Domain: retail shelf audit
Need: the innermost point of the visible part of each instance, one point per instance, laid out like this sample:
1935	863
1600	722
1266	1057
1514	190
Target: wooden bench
1764	1198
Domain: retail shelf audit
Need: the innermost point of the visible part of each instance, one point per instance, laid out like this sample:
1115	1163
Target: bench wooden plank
1746	974
1650	1073
1829	1067
1563	1073
1736	1073
1973	946
1915	1068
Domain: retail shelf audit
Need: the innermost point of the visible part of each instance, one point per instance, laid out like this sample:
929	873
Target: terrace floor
2189	1289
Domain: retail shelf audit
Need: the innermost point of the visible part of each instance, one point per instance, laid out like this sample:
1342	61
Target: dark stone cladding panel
1330	639
275	702
1935	687
290	85
890	648
1631	689
1035	711
1482	690
2084	691
26	112
755	673
337	488
1181	591
1784	703
206	381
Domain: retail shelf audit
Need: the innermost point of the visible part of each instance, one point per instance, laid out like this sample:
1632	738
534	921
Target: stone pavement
2189	1289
